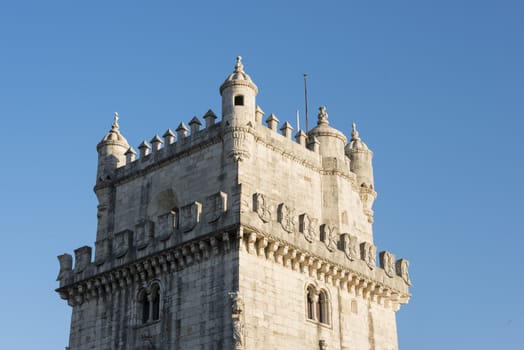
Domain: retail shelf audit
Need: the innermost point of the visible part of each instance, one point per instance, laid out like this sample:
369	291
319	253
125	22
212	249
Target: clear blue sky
436	88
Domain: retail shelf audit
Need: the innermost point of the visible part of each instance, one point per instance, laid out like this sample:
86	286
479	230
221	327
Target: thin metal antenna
305	97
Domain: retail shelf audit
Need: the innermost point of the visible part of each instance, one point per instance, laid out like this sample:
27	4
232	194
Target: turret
238	97
111	152
331	140
360	156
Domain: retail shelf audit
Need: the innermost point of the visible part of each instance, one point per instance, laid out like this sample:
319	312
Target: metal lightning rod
305	97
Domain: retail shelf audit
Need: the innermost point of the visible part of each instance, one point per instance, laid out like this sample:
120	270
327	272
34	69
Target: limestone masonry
232	235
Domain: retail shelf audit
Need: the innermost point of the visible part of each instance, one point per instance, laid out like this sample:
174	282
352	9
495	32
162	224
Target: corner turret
111	152
331	140
360	156
238	97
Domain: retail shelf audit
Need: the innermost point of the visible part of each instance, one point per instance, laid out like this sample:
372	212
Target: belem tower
232	235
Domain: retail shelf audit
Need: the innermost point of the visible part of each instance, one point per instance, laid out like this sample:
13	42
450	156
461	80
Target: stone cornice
283	253
168	260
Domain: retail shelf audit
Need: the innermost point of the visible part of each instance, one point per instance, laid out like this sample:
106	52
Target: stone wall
195	311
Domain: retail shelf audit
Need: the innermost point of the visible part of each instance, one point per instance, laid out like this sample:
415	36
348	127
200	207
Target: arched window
155	303
311	301
323	307
143	303
239	100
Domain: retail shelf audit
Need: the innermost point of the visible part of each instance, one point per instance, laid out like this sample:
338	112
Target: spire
354	133
115	125
239	67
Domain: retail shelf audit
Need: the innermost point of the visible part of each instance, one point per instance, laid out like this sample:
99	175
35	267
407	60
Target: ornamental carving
144	232
214	206
368	253
82	258
239	151
166	225
237	309
237	303
329	235
66	266
121	243
190	216
387	262
308	226
102	250
350	246
261	207
287	218
402	266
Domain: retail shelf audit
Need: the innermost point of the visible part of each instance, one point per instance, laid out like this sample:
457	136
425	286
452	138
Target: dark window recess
239	100
156	305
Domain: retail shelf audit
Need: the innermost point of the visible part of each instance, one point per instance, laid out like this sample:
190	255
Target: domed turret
331	140
238	96
360	156
111	152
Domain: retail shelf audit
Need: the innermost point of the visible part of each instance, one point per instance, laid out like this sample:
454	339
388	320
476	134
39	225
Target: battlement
187	141
350	264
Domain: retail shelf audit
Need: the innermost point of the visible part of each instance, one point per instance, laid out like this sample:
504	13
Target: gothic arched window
155	303
311	301
143	303
323	307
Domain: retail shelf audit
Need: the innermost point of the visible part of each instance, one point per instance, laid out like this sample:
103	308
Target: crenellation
195	125
181	131
287	130
144	149
156	143
234	236
300	137
169	137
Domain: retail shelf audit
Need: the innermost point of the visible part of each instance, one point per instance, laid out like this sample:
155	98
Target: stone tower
234	236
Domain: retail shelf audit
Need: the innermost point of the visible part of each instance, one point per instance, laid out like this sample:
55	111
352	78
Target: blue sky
436	88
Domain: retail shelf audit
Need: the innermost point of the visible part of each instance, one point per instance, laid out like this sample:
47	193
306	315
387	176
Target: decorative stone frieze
121	243
329	235
166	225
262	207
368	253
215	206
66	268
190	216
308	226
144	233
350	246
167	261
82	258
387	262
287	218
402	266
102	251
320	269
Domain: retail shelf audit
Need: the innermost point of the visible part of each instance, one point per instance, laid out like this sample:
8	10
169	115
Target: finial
322	115
239	67
354	132
115	121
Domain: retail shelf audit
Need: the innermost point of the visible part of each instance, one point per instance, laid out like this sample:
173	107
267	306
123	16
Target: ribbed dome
238	73
356	144
114	136
324	129
238	77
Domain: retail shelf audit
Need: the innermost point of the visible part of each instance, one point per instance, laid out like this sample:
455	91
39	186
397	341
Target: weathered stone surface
212	241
